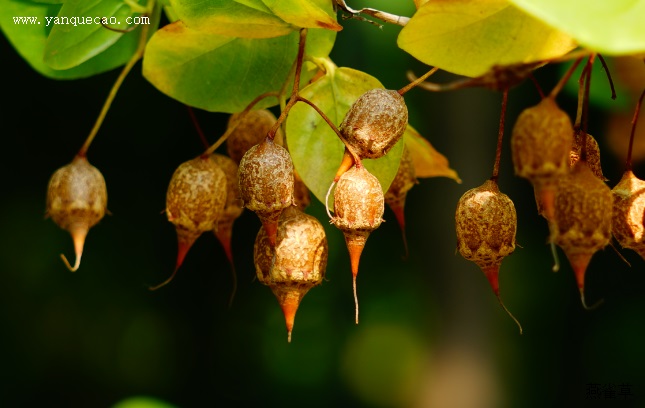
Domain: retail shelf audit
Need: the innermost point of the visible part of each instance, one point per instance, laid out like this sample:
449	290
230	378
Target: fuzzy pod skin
541	143
195	200
582	219
629	213
375	122
250	131
486	224
266	182
77	200
593	154
358	205
296	263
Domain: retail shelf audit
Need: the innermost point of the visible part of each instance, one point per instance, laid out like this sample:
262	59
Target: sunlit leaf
224	74
427	161
73	39
611	27
241	18
315	148
305	13
468	37
29	40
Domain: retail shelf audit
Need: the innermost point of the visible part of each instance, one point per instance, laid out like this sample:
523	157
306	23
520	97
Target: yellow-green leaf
468	37
427	161
244	19
610	26
305	13
224	74
315	148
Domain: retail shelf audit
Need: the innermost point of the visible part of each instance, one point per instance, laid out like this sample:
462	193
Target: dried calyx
541	143
358	210
266	183
582	219
76	201
486	224
296	262
195	202
375	122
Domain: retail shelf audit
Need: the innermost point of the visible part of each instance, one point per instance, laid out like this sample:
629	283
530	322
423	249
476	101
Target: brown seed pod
295	264
541	143
266	183
358	206
250	131
593	153
195	202
486	224
76	201
395	196
629	213
375	122
582	219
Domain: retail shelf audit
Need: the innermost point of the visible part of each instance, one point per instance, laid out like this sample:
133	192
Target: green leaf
315	148
468	37
240	18
305	13
29	40
610	27
224	74
73	41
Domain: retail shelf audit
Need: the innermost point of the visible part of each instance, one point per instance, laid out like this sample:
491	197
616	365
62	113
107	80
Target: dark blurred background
431	333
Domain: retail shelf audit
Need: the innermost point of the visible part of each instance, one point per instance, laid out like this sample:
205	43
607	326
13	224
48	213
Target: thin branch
500	137
417	81
633	133
611	81
381	15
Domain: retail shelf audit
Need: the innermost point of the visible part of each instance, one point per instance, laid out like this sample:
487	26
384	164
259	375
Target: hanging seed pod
233	205
194	203
375	122
582	219
296	262
252	130
629	213
395	196
593	153
358	208
486	224
266	183
76	201
541	143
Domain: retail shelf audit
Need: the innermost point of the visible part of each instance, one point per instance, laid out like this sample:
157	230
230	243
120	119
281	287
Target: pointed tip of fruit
164	283
584	302
547	200
346	163
579	263
185	241
492	274
399	214
224	234
289	299
355	298
355	245
499	299
78	237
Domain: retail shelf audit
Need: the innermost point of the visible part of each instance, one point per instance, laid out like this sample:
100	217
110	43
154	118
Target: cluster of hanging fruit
562	162
209	192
